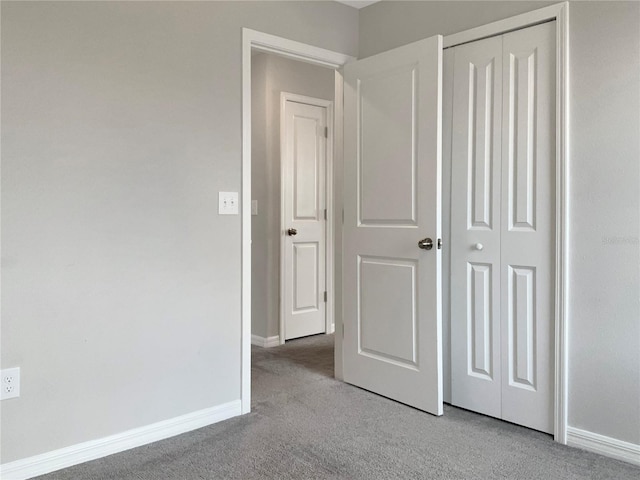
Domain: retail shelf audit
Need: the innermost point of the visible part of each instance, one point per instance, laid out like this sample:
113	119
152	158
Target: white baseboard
84	452
265	342
607	446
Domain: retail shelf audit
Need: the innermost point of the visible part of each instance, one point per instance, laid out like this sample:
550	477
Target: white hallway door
304	171
502	226
392	311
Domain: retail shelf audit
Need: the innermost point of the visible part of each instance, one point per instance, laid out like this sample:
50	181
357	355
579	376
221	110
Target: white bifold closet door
502	226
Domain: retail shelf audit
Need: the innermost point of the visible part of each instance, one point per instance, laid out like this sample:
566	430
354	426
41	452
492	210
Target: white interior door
502	227
391	291
304	173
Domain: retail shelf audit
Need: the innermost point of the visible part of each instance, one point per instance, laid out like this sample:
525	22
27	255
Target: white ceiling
358	3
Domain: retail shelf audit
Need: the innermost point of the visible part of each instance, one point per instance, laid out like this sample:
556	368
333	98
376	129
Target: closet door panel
528	220
475	227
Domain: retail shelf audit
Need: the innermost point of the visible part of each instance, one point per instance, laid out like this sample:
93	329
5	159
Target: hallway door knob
425	244
478	246
292	231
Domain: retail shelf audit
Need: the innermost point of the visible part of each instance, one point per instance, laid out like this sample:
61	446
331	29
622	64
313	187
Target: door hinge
326	132
325	296
325	213
343	330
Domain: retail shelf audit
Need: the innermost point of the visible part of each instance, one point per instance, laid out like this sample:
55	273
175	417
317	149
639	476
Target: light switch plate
228	203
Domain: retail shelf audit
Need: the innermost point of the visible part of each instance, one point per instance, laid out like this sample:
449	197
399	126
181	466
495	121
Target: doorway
257	42
292	140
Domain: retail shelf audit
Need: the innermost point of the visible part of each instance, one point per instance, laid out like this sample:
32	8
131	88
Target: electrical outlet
10	383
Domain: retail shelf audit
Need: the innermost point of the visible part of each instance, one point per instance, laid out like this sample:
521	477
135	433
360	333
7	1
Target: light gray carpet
306	425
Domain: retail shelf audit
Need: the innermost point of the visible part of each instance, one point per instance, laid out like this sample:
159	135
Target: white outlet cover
10	383
228	203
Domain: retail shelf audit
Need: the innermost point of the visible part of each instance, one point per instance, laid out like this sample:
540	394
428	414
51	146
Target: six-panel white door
502	226
304	172
392	310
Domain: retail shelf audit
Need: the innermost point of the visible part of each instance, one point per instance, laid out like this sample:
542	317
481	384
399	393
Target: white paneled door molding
560	14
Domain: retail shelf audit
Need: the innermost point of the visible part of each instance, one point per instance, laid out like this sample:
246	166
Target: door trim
560	13
328	172
264	42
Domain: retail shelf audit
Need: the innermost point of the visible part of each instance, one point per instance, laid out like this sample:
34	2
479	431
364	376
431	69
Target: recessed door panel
481	144
521	131
306	168
387	324
479	321
522	326
306	275
386	129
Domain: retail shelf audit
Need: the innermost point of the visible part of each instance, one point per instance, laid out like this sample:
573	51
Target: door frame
328	172
560	13
264	42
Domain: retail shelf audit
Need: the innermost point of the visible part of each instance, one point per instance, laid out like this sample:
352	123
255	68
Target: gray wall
121	285
604	350
604	388
273	75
